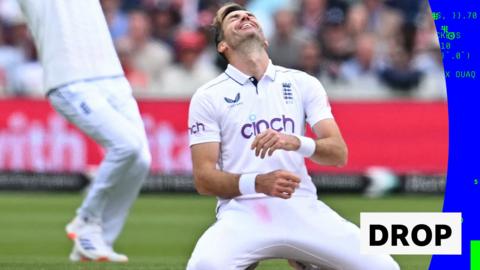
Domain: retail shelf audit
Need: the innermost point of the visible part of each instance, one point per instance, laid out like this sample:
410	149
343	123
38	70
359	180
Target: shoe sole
86	259
101	259
73	236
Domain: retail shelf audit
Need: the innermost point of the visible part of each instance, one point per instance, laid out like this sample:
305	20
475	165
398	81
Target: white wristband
307	146
246	184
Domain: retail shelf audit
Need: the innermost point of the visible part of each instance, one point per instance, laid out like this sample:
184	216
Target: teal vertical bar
475	255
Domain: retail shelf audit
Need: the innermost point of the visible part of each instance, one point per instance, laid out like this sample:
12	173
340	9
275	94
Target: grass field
160	233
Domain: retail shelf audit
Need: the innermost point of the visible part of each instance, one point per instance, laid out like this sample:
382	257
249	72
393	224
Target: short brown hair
220	16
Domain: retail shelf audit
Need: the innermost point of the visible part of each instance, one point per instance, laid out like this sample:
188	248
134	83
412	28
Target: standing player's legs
124	193
127	160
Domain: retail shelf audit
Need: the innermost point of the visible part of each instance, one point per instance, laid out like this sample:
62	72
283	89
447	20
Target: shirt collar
242	78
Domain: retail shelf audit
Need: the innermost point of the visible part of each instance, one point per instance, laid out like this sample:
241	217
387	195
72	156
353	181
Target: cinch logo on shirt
197	127
278	124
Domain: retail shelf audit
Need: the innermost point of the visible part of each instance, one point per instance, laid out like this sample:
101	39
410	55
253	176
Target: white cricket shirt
231	110
72	40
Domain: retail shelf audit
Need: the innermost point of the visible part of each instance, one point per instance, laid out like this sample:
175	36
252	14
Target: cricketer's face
240	26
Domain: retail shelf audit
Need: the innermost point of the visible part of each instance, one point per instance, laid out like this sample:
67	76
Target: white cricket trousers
301	228
107	112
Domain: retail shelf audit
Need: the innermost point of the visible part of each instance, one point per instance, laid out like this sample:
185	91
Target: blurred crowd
359	49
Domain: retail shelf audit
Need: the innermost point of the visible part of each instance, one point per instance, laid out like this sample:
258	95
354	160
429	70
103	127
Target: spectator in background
357	19
151	57
426	32
410	9
188	73
362	64
336	43
5	61
429	63
310	59
26	78
17	32
428	59
3	76
287	40
387	28
360	72
206	12
375	10
116	18
10	56
3	84
189	11
165	22
380	19
138	80
399	73
311	15
20	72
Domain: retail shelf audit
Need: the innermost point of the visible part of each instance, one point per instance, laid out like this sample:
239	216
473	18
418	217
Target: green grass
160	233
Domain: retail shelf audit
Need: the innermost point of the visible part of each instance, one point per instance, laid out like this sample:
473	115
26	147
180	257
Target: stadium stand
374	57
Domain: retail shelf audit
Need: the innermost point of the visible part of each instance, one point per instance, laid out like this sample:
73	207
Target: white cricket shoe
76	256
73	227
89	244
116	257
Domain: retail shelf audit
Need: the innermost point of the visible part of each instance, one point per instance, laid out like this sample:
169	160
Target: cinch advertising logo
196	128
256	127
411	233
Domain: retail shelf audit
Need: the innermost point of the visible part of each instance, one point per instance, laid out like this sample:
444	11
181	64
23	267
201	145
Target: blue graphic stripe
461	193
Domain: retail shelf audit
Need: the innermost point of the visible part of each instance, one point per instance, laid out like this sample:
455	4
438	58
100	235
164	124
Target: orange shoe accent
72	236
84	259
100	260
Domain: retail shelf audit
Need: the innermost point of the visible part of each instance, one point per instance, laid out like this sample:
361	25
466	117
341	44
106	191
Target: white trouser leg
124	193
123	196
323	238
106	111
234	242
